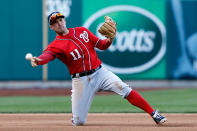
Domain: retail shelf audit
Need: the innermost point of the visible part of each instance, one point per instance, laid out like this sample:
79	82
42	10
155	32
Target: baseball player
75	47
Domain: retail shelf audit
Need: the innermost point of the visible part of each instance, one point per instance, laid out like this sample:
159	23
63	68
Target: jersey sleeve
53	50
103	44
92	37
45	58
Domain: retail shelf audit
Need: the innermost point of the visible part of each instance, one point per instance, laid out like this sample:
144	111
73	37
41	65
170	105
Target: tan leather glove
108	29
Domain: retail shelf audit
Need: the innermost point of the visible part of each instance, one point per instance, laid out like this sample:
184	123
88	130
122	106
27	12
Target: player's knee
125	92
78	122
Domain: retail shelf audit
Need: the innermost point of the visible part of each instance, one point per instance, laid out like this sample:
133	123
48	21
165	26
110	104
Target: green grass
174	100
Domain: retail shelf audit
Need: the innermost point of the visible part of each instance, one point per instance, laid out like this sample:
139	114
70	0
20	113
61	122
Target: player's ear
51	27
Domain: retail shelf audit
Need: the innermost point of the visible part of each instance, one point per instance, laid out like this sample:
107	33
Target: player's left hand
108	29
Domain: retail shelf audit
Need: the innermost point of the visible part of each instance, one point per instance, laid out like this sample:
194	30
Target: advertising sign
140	44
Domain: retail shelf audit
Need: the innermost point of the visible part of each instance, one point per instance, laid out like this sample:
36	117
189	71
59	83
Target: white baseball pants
84	88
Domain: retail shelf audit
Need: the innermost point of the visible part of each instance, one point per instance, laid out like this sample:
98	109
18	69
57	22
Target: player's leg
114	83
82	95
137	100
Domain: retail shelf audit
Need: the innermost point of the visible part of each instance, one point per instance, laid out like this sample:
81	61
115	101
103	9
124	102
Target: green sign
140	43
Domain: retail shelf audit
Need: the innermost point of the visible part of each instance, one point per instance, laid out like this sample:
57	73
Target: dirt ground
96	122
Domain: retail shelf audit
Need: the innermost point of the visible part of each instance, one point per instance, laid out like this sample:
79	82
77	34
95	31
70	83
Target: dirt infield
96	122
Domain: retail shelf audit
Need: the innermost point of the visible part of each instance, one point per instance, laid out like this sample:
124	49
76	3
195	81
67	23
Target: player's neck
63	33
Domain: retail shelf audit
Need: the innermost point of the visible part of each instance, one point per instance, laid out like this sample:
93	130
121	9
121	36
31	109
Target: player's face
59	26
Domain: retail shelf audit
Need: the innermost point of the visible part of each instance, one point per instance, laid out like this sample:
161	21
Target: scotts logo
139	43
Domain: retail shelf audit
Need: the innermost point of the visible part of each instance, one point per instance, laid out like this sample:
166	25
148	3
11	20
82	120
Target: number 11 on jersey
74	56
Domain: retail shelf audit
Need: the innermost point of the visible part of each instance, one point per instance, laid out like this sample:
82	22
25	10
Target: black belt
85	73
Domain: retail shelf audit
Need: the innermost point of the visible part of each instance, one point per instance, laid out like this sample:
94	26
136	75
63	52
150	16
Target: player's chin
60	32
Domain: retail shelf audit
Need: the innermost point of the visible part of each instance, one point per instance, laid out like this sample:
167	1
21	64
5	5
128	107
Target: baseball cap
53	16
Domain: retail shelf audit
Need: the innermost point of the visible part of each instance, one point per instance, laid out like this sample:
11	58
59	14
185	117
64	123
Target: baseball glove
108	29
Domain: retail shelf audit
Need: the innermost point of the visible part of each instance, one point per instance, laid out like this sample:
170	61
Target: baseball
28	56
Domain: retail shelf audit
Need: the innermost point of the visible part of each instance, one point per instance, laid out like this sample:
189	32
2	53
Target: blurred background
156	40
155	46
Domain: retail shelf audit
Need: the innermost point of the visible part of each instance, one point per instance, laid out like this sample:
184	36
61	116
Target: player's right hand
34	61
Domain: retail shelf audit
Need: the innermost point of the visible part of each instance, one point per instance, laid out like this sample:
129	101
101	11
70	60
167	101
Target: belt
85	73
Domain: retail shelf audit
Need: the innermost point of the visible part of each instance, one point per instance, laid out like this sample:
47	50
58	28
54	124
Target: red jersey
77	49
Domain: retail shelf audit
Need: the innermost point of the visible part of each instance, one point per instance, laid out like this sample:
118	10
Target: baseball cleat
159	119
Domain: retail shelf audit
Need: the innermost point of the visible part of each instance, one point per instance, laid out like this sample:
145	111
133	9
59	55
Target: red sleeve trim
97	42
50	53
